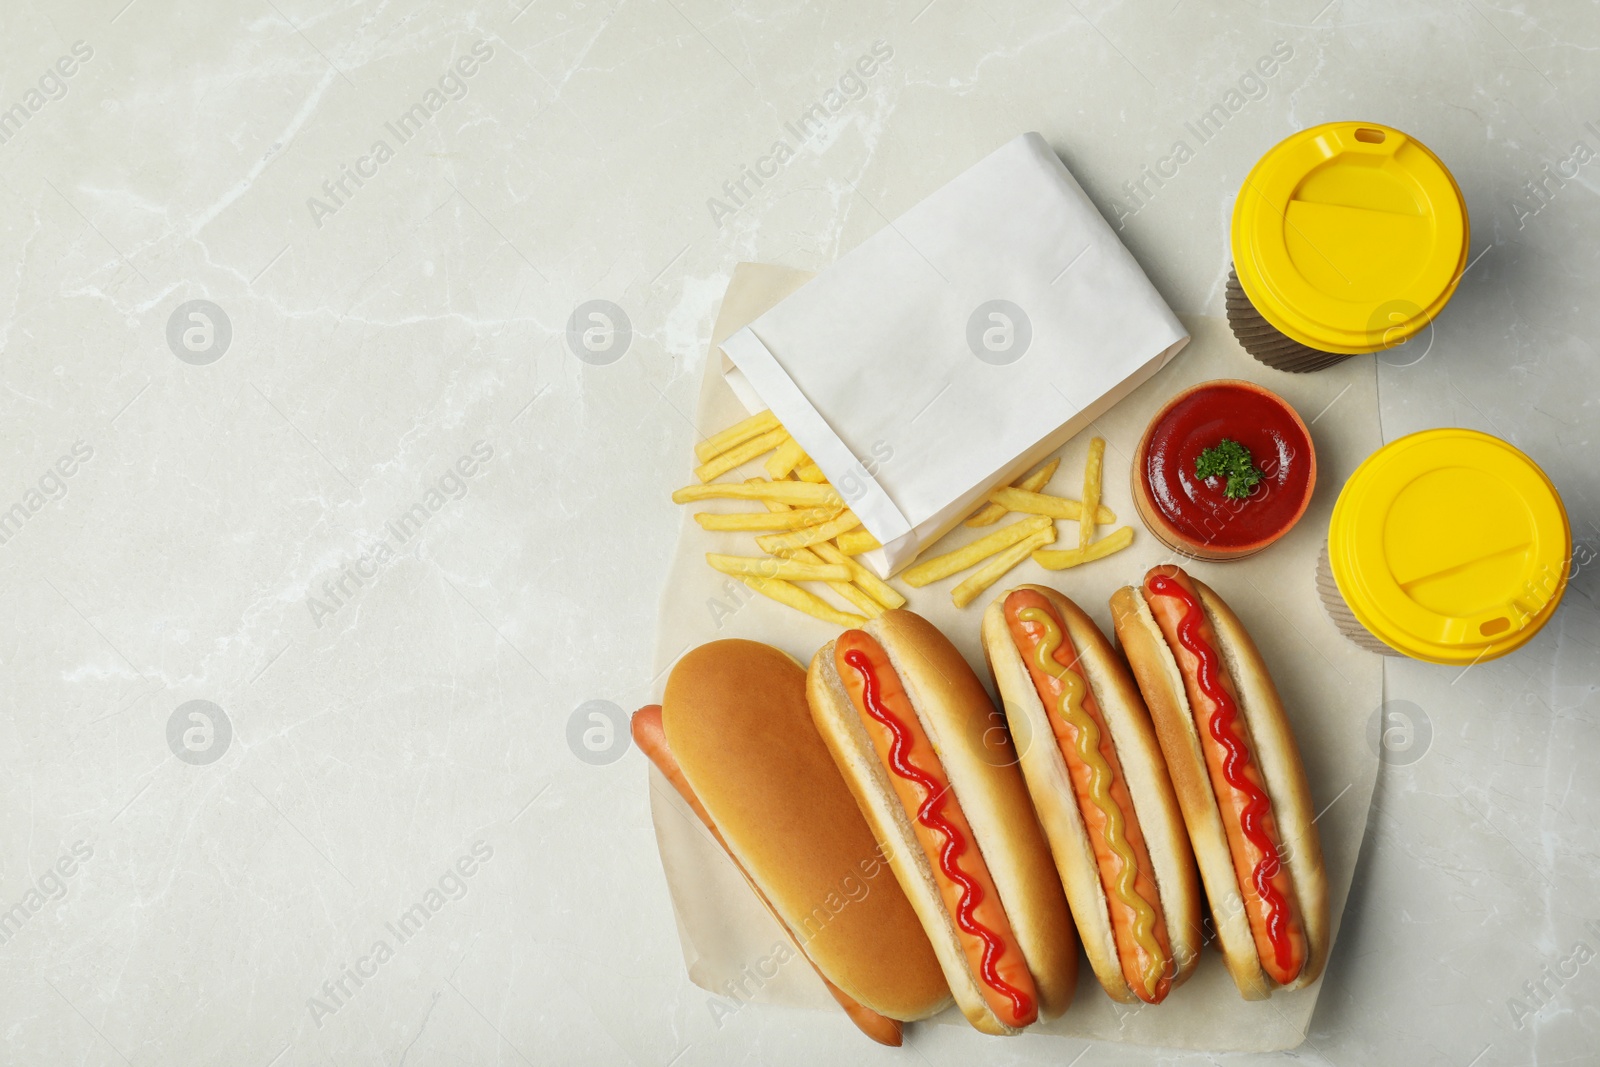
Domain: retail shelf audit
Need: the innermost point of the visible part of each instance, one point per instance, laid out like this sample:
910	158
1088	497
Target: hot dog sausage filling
1246	808
942	829
1134	904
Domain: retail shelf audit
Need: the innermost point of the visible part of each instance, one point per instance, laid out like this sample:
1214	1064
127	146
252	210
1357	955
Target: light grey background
420	720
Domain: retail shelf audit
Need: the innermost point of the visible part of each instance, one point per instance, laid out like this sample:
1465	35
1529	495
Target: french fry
1061	559
877	589
803	494
790	570
859	597
795	597
810	472
855	595
850	592
796	519
996	568
788	456
811	535
1057	507
1035	482
856	542
739	455
931	570
1091	490
737	434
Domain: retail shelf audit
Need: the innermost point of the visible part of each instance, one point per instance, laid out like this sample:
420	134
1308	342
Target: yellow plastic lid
1349	237
1450	546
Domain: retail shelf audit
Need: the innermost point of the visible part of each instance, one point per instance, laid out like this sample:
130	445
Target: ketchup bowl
1250	432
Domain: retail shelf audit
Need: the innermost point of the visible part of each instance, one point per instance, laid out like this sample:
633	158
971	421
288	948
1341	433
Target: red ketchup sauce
1197	508
1258	807
931	814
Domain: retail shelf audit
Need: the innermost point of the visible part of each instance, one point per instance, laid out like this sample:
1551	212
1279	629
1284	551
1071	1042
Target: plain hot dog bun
1082	835
962	744
735	719
652	741
1166	674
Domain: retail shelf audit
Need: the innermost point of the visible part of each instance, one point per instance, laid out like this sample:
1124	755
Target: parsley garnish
1229	459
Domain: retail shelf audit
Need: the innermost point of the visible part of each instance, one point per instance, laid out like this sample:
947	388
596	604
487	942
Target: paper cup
1448	546
1347	238
1339	611
1262	340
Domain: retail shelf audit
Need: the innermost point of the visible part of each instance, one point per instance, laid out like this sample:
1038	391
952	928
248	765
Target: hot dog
931	764
1238	776
734	737
651	738
1098	781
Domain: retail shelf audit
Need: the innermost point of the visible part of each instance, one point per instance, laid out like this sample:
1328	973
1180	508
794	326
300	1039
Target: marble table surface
320	542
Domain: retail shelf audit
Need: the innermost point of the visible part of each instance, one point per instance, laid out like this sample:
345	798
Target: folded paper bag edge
887	562
780	282
868	499
766	378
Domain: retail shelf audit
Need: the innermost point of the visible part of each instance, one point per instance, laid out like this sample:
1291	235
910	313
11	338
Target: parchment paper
1329	686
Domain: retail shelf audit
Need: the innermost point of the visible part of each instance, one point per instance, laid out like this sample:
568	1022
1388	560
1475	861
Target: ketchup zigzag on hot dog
932	766
1099	783
1238	776
734	737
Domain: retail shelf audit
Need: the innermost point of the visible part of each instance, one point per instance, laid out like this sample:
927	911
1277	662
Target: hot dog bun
1156	666
735	718
975	754
652	741
1141	767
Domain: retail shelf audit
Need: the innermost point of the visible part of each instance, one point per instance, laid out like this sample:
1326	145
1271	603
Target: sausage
965	882
1133	902
1265	882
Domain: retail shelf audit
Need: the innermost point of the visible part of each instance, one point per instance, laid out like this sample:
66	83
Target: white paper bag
971	336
